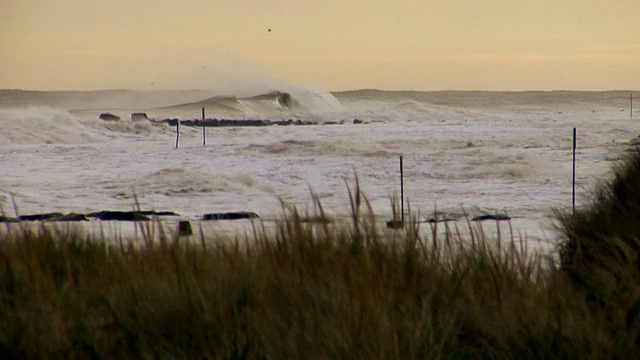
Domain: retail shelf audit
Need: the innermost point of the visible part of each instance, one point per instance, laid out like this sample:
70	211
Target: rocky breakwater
238	122
259	122
213	122
110	215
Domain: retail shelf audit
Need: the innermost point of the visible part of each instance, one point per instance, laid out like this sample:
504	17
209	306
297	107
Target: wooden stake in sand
395	223
204	134
177	133
401	192
573	181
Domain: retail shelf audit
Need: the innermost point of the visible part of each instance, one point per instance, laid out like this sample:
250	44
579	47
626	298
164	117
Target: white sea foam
42	125
504	152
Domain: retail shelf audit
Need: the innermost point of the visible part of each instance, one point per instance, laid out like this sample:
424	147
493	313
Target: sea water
476	152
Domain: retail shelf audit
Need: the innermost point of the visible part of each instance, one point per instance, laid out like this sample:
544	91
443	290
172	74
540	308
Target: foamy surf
478	150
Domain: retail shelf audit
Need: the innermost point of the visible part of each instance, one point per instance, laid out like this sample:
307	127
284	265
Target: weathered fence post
573	181
204	134
177	133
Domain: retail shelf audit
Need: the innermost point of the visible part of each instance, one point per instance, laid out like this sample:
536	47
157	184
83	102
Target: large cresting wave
276	104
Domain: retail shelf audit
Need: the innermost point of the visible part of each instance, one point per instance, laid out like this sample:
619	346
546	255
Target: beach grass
327	290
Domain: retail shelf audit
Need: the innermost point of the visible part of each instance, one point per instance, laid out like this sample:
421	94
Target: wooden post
204	134
395	223
573	181
177	133
401	191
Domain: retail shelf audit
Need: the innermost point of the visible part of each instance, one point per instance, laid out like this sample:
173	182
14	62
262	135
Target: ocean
463	151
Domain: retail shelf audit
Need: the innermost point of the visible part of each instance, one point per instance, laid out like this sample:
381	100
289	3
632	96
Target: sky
331	44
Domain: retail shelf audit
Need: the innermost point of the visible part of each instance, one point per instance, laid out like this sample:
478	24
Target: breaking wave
295	102
42	125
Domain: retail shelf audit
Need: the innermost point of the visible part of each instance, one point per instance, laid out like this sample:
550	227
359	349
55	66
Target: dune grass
314	289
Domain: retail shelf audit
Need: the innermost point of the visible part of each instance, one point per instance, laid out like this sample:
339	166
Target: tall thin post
204	134
401	191
177	133
573	181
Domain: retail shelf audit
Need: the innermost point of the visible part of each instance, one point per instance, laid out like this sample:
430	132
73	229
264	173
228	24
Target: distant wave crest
276	103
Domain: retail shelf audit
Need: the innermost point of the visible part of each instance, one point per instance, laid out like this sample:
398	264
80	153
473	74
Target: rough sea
477	152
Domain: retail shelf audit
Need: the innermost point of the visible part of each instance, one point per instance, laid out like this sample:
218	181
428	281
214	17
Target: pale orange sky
330	44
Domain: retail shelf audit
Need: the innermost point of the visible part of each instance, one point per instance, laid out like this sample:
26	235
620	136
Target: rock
236	123
6	219
40	217
55	216
109	117
358	121
139	116
119	215
70	217
190	123
433	220
230	216
158	213
184	228
491	217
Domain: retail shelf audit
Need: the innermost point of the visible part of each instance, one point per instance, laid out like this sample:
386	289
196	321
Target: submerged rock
71	217
230	215
139	116
40	217
496	217
119	215
55	216
235	123
184	228
158	213
109	117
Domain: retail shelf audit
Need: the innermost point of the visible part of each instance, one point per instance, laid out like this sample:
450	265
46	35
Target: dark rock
235	123
70	217
40	217
158	213
358	121
284	122
433	221
56	216
6	219
230	216
184	228
491	217
139	116
170	122
119	215
190	122
109	117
